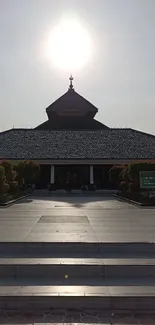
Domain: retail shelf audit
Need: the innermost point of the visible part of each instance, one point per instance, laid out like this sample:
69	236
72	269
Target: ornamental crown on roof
71	82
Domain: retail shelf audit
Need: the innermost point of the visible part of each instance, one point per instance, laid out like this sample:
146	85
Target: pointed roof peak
70	104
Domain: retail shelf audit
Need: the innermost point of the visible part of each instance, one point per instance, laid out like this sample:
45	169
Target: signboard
147	180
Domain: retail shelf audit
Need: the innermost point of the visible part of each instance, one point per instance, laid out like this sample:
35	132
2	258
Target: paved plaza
110	284
84	219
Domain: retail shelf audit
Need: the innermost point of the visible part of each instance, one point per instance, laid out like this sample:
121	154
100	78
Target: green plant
27	172
20	173
31	172
2	180
114	174
13	187
8	170
124	186
135	169
124	174
133	187
4	187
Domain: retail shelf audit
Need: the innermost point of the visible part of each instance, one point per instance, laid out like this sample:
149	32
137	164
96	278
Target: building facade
72	145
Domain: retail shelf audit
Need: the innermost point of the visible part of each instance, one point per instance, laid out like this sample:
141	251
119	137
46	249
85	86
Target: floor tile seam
31	231
93	232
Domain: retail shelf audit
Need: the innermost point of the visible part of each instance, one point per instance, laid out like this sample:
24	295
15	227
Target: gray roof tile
100	144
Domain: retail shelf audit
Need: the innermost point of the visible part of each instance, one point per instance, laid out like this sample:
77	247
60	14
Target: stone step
77	249
48	298
75	281
86	268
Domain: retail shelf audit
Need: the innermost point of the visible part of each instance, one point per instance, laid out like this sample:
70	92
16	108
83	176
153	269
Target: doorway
44	177
76	175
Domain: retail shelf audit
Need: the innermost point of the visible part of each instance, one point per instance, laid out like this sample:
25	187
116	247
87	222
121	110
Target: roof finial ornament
71	82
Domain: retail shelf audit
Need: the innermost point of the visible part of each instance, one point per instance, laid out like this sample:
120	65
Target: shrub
124	179
20	173
114	173
135	169
133	187
6	188
9	172
2	180
31	172
124	186
27	172
14	187
124	174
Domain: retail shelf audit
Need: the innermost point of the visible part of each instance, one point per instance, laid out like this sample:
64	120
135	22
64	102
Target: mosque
72	144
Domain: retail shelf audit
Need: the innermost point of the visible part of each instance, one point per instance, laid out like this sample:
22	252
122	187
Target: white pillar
52	175
91	174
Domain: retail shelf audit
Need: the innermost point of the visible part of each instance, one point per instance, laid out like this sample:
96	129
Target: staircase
77	276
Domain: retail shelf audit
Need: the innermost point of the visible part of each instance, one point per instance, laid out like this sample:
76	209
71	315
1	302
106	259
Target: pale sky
119	78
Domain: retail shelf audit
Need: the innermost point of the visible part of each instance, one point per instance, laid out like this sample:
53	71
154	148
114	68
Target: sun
69	45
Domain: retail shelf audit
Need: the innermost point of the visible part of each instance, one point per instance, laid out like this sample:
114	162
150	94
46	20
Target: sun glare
69	45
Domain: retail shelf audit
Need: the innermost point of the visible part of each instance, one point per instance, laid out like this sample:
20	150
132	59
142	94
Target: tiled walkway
76	219
84	219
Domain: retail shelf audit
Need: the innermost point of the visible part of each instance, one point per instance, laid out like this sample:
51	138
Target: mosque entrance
75	175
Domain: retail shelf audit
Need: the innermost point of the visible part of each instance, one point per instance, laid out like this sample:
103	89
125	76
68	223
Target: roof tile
99	144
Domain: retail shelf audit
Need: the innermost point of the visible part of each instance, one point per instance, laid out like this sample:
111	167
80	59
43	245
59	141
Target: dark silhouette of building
73	144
